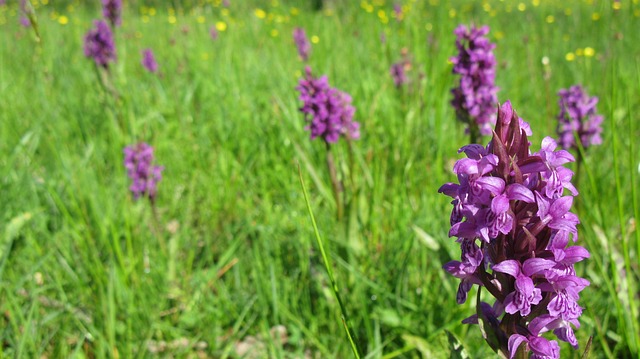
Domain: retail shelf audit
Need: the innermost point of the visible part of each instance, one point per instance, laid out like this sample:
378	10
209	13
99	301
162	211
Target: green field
228	264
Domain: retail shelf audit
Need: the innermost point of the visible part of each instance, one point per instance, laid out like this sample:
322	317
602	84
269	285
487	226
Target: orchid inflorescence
475	98
99	44
302	43
138	160
149	61
327	110
578	117
512	220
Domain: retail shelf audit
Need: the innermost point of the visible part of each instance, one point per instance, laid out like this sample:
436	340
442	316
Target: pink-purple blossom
138	160
149	61
398	74
511	215
578	117
112	11
328	111
99	44
475	96
302	43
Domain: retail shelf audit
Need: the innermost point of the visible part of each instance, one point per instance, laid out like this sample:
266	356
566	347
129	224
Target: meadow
226	263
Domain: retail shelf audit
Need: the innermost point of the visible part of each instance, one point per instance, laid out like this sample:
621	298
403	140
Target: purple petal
510	266
519	192
536	265
514	342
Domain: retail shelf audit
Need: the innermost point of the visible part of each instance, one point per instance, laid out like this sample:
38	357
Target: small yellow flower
499	35
152	11
260	14
63	20
204	56
616	5
145	19
221	26
486	6
274	33
200	19
570	56
224	12
298	74
589	52
535	3
567	11
595	16
522	6
636	12
172	19
550	19
315	39
452	13
45	2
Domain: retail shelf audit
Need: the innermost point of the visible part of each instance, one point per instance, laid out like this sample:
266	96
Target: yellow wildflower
589	51
570	56
260	14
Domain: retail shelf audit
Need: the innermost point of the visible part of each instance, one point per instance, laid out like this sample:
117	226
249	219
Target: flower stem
335	183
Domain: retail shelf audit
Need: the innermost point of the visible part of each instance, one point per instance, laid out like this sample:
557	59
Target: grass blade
327	265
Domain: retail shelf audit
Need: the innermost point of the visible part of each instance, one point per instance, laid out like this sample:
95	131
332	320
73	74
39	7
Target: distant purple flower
578	116
513	222
112	10
397	11
99	44
327	110
24	10
24	21
226	3
3	2
302	43
475	97
398	74
138	160
149	61
213	32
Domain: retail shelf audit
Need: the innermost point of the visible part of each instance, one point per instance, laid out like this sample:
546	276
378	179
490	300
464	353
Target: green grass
82	273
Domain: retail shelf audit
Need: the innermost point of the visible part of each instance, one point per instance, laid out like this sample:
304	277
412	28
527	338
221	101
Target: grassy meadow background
230	267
